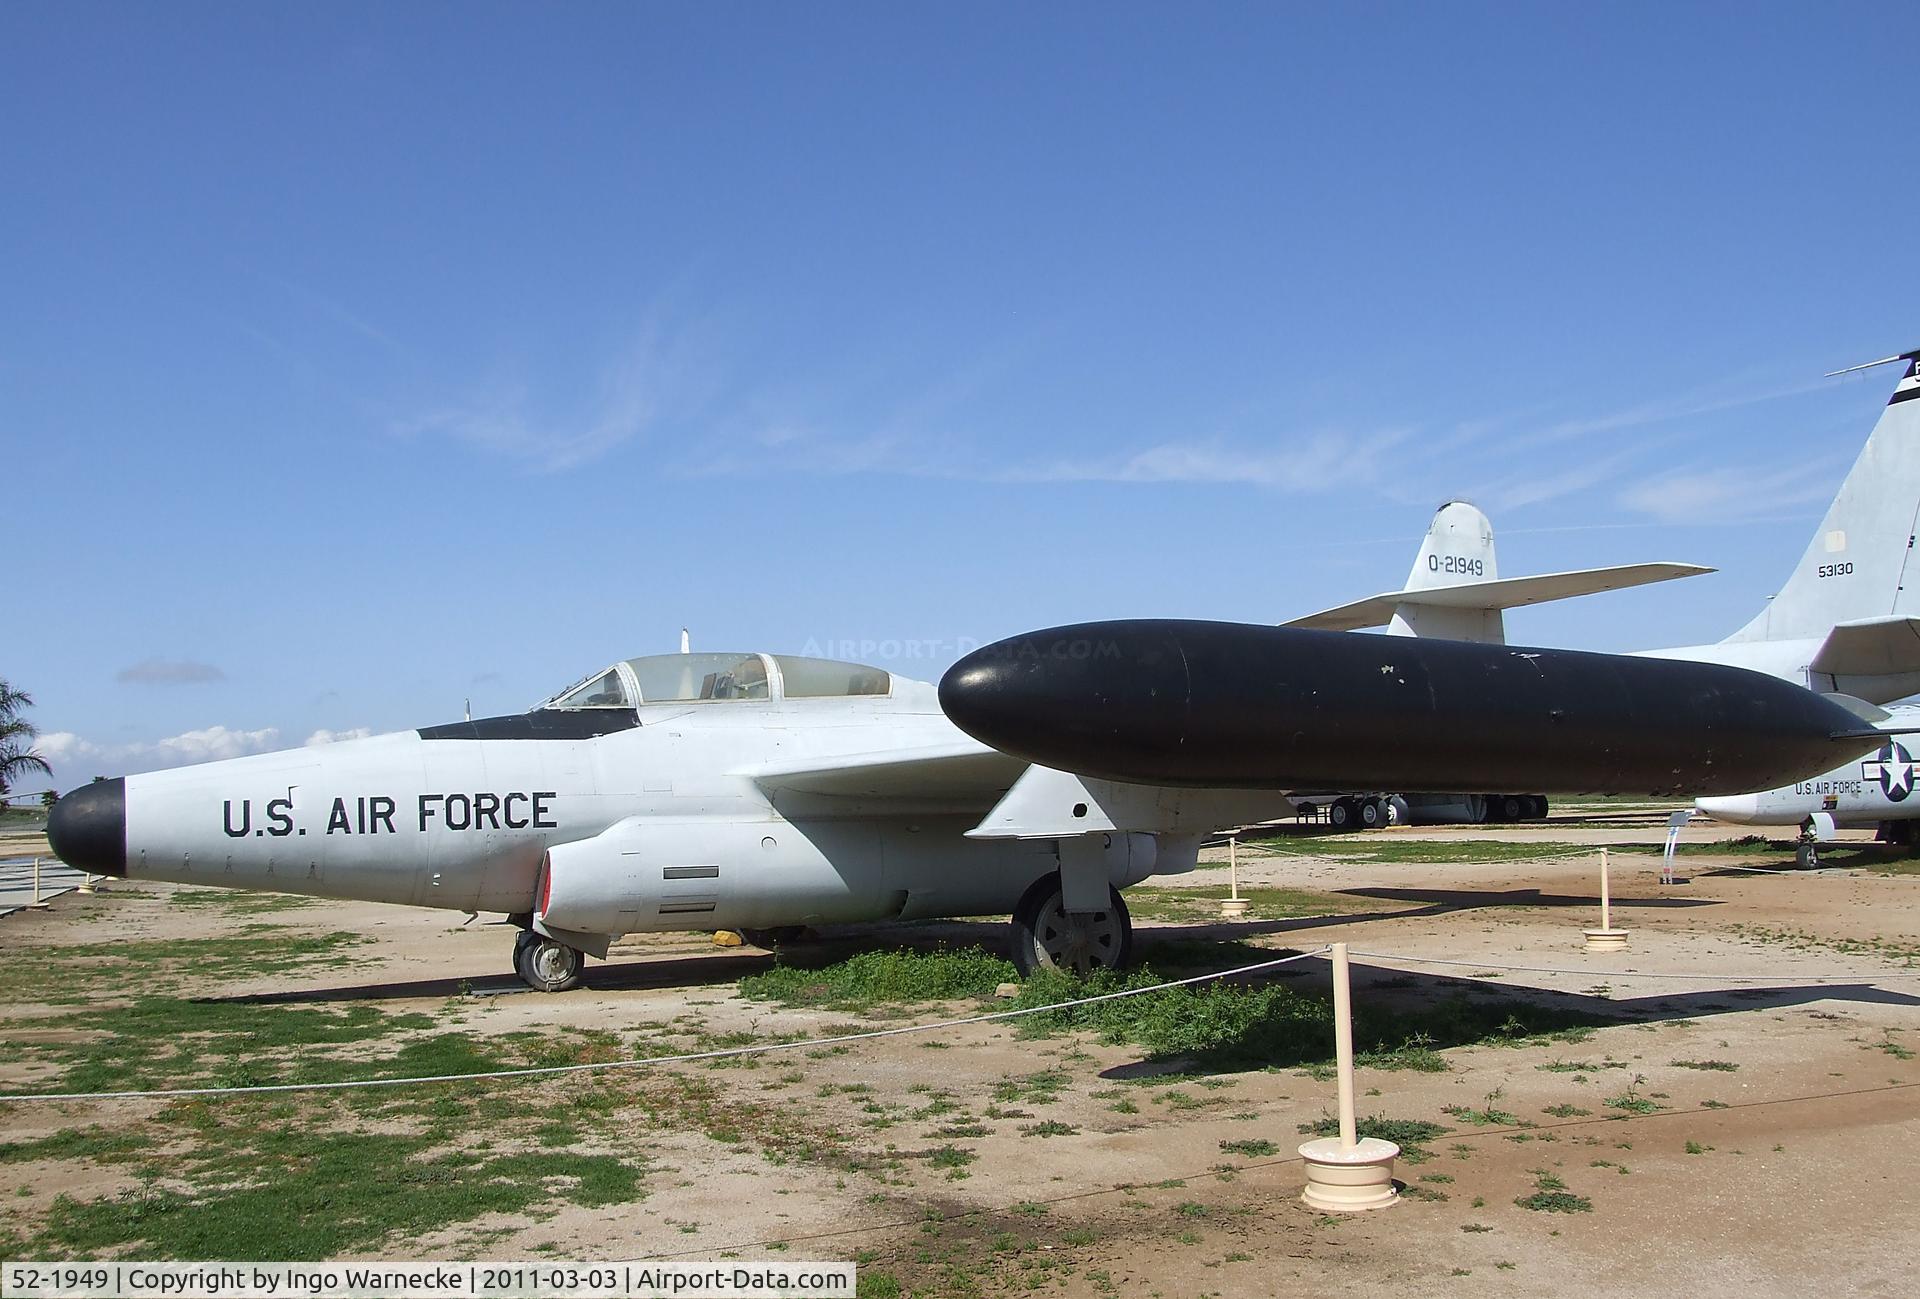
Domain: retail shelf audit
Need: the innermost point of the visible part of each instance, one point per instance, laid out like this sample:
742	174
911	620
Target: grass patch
295	1193
1261	1025
240	902
1717	1066
883	978
69	973
170	1041
95	1143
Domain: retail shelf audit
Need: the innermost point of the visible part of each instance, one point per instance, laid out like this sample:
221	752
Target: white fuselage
1863	792
465	824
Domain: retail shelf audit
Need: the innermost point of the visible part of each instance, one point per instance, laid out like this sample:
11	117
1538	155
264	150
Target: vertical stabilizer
1458	549
1860	562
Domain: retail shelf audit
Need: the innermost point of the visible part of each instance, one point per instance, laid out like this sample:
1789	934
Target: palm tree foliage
16	738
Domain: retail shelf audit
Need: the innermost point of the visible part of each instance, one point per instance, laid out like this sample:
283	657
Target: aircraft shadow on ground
1440	901
627	973
1395	1008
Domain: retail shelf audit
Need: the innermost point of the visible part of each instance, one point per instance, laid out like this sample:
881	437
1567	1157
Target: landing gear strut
1046	936
546	964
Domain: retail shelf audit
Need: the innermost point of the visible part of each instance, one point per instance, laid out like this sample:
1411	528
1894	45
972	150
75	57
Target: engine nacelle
659	873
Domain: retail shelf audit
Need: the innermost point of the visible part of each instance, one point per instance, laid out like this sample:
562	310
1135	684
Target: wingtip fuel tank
1165	702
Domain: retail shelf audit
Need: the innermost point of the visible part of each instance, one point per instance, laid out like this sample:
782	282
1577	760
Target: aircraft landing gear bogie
776	938
1046	936
546	964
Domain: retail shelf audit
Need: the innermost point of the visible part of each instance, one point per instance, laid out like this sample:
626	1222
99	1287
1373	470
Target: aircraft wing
1498	593
961	771
1870	647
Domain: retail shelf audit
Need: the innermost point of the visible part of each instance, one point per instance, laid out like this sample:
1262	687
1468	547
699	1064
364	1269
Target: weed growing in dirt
1252	1147
1408	1134
1631	1101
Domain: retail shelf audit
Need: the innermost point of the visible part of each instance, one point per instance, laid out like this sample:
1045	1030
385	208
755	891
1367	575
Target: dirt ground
1763	1146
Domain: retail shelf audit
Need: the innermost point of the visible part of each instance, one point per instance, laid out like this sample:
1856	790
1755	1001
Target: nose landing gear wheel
1046	936
545	964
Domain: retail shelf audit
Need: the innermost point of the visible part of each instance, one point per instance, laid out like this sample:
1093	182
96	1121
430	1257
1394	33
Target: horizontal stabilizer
1498	593
1870	647
963	770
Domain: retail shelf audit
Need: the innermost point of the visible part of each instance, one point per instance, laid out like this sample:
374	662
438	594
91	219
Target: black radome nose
88	828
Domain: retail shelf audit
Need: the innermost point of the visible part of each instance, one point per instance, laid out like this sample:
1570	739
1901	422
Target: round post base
1606	940
1349	1181
1232	907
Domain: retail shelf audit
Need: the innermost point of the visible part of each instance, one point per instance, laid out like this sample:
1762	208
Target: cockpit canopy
709	678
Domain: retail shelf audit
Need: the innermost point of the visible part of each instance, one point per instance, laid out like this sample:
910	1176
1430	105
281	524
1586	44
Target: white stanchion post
1347	1173
36	904
1233	904
86	884
1606	938
1343	1046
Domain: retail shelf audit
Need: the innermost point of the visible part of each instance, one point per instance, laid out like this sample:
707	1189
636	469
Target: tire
1537	807
1512	807
1372	815
1806	856
776	938
1398	813
1340	814
546	964
1045	937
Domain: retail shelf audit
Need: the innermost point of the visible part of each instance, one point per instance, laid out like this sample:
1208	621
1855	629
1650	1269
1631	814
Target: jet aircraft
1880	789
764	792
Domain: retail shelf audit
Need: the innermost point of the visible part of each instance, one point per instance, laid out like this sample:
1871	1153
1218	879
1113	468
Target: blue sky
360	360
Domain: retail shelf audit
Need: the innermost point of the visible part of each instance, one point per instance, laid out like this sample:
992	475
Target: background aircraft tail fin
1455	591
1860	564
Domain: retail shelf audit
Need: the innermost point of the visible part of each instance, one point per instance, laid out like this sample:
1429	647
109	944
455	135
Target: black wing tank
1238	706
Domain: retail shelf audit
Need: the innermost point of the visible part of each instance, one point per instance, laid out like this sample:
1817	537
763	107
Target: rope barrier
759	1048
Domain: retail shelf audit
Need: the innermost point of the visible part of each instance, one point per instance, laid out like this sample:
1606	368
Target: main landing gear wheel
1046	936
545	964
1340	814
776	938
1372	814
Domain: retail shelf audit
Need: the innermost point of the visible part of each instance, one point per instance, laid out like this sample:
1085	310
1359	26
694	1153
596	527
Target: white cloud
170	672
74	756
1724	493
656	377
324	736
